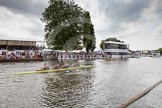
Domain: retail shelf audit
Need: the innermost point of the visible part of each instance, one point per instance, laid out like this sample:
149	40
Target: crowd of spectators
80	55
5	55
36	54
20	55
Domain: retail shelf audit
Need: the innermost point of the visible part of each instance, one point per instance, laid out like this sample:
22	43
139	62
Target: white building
115	48
155	53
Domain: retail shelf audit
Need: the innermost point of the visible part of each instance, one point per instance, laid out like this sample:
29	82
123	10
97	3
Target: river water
108	85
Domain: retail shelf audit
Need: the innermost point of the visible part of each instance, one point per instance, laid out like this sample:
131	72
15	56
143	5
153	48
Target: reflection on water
66	90
109	84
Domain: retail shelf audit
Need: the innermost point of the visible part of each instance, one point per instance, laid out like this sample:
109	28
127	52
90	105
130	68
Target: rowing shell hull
55	70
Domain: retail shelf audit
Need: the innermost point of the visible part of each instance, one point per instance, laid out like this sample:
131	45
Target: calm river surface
108	85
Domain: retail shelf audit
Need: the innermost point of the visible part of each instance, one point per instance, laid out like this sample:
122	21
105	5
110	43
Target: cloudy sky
137	22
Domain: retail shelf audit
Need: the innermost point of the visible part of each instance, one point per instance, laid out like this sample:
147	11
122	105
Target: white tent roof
47	50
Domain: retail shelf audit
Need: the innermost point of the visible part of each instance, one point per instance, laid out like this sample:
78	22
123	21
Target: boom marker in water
55	70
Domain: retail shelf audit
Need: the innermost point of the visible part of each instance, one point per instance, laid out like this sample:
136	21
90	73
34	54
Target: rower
73	64
46	67
76	64
57	66
54	66
66	65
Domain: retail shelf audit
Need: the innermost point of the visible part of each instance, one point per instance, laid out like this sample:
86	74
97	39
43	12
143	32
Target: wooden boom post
140	95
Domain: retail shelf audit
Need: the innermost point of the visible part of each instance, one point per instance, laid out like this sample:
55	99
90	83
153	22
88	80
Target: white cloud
134	22
16	26
138	23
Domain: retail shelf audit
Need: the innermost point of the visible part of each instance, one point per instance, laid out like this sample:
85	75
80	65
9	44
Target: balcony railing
116	50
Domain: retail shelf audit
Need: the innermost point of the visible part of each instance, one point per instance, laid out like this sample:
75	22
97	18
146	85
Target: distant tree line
160	49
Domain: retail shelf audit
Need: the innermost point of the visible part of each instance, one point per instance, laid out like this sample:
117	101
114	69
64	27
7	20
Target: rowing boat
55	70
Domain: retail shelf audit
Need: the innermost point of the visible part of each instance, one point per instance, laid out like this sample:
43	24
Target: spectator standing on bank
36	55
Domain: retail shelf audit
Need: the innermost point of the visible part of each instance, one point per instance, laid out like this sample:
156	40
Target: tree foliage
89	29
60	11
160	49
110	39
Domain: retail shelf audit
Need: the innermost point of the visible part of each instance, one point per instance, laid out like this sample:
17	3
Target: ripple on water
108	85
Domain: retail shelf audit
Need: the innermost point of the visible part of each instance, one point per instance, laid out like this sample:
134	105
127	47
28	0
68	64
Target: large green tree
89	43
56	14
110	39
